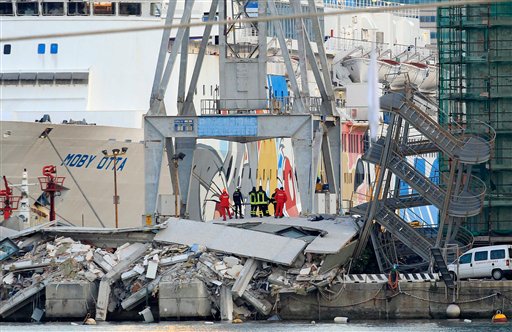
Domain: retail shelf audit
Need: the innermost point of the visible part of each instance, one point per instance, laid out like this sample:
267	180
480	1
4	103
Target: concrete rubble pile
131	276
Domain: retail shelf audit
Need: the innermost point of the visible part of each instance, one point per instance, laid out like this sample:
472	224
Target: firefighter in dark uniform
263	201
238	199
253	199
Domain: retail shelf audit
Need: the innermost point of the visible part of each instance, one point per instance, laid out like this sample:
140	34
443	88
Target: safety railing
466	199
353	4
276	106
472	146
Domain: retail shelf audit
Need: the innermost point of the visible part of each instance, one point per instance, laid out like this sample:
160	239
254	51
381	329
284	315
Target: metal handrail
456	127
275	105
476	186
463	235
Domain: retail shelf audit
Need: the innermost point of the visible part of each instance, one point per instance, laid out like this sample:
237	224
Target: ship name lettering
80	160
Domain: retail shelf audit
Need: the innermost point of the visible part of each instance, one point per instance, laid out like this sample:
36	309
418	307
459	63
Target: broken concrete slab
7	232
335	233
98	259
114	274
278	277
175	259
261	305
226	304
129	274
244	277
19	299
103	300
234	272
231	261
137	297
25	265
138	251
240	242
152	269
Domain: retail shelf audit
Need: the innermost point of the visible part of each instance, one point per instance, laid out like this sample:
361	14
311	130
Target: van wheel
454	276
497	274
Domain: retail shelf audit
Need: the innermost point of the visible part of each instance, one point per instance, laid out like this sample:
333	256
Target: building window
129	9
7	49
6	9
78	9
155	9
54	48
53	8
433	35
41	49
28	8
104	8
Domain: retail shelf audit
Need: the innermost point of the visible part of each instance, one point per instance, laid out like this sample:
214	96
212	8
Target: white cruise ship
106	80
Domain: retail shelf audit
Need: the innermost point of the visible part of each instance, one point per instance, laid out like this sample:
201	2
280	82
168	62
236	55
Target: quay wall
427	300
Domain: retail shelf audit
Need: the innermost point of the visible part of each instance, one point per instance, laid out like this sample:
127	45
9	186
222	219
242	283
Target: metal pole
176	190
116	198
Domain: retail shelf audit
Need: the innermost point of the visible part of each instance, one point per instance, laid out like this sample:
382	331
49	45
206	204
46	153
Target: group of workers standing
259	203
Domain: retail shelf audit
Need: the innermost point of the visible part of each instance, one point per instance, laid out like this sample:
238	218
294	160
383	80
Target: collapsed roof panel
262	246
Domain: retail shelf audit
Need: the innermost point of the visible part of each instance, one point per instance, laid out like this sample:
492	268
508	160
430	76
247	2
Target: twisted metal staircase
468	149
468	202
455	196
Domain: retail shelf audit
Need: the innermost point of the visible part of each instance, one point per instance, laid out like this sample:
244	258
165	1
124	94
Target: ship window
54	48
104	8
53	8
129	9
78	9
28	8
41	48
7	49
155	9
6	9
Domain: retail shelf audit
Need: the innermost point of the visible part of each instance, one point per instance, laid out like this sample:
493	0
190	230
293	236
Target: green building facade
475	84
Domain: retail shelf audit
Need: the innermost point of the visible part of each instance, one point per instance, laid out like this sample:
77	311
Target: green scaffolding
475	83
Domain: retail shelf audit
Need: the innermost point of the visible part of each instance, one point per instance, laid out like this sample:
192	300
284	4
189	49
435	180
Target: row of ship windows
76	8
41	49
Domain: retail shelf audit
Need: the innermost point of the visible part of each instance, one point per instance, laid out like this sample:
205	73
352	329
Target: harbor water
201	326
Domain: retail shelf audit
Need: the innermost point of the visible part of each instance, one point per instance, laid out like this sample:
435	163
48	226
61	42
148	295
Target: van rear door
499	259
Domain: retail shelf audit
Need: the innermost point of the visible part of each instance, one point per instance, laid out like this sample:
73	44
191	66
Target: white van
484	262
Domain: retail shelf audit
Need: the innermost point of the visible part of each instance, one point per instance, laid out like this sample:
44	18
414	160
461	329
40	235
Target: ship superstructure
107	80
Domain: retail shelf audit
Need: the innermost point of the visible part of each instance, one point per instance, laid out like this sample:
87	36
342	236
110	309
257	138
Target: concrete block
183	300
102	303
186	307
152	268
175	259
70	299
231	261
261	305
226	304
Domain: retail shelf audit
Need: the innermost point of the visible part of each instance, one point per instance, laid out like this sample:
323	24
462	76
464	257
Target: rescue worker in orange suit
224	205
281	198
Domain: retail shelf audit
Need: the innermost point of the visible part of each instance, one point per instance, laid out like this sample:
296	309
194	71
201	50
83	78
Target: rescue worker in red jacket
281	198
224	205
